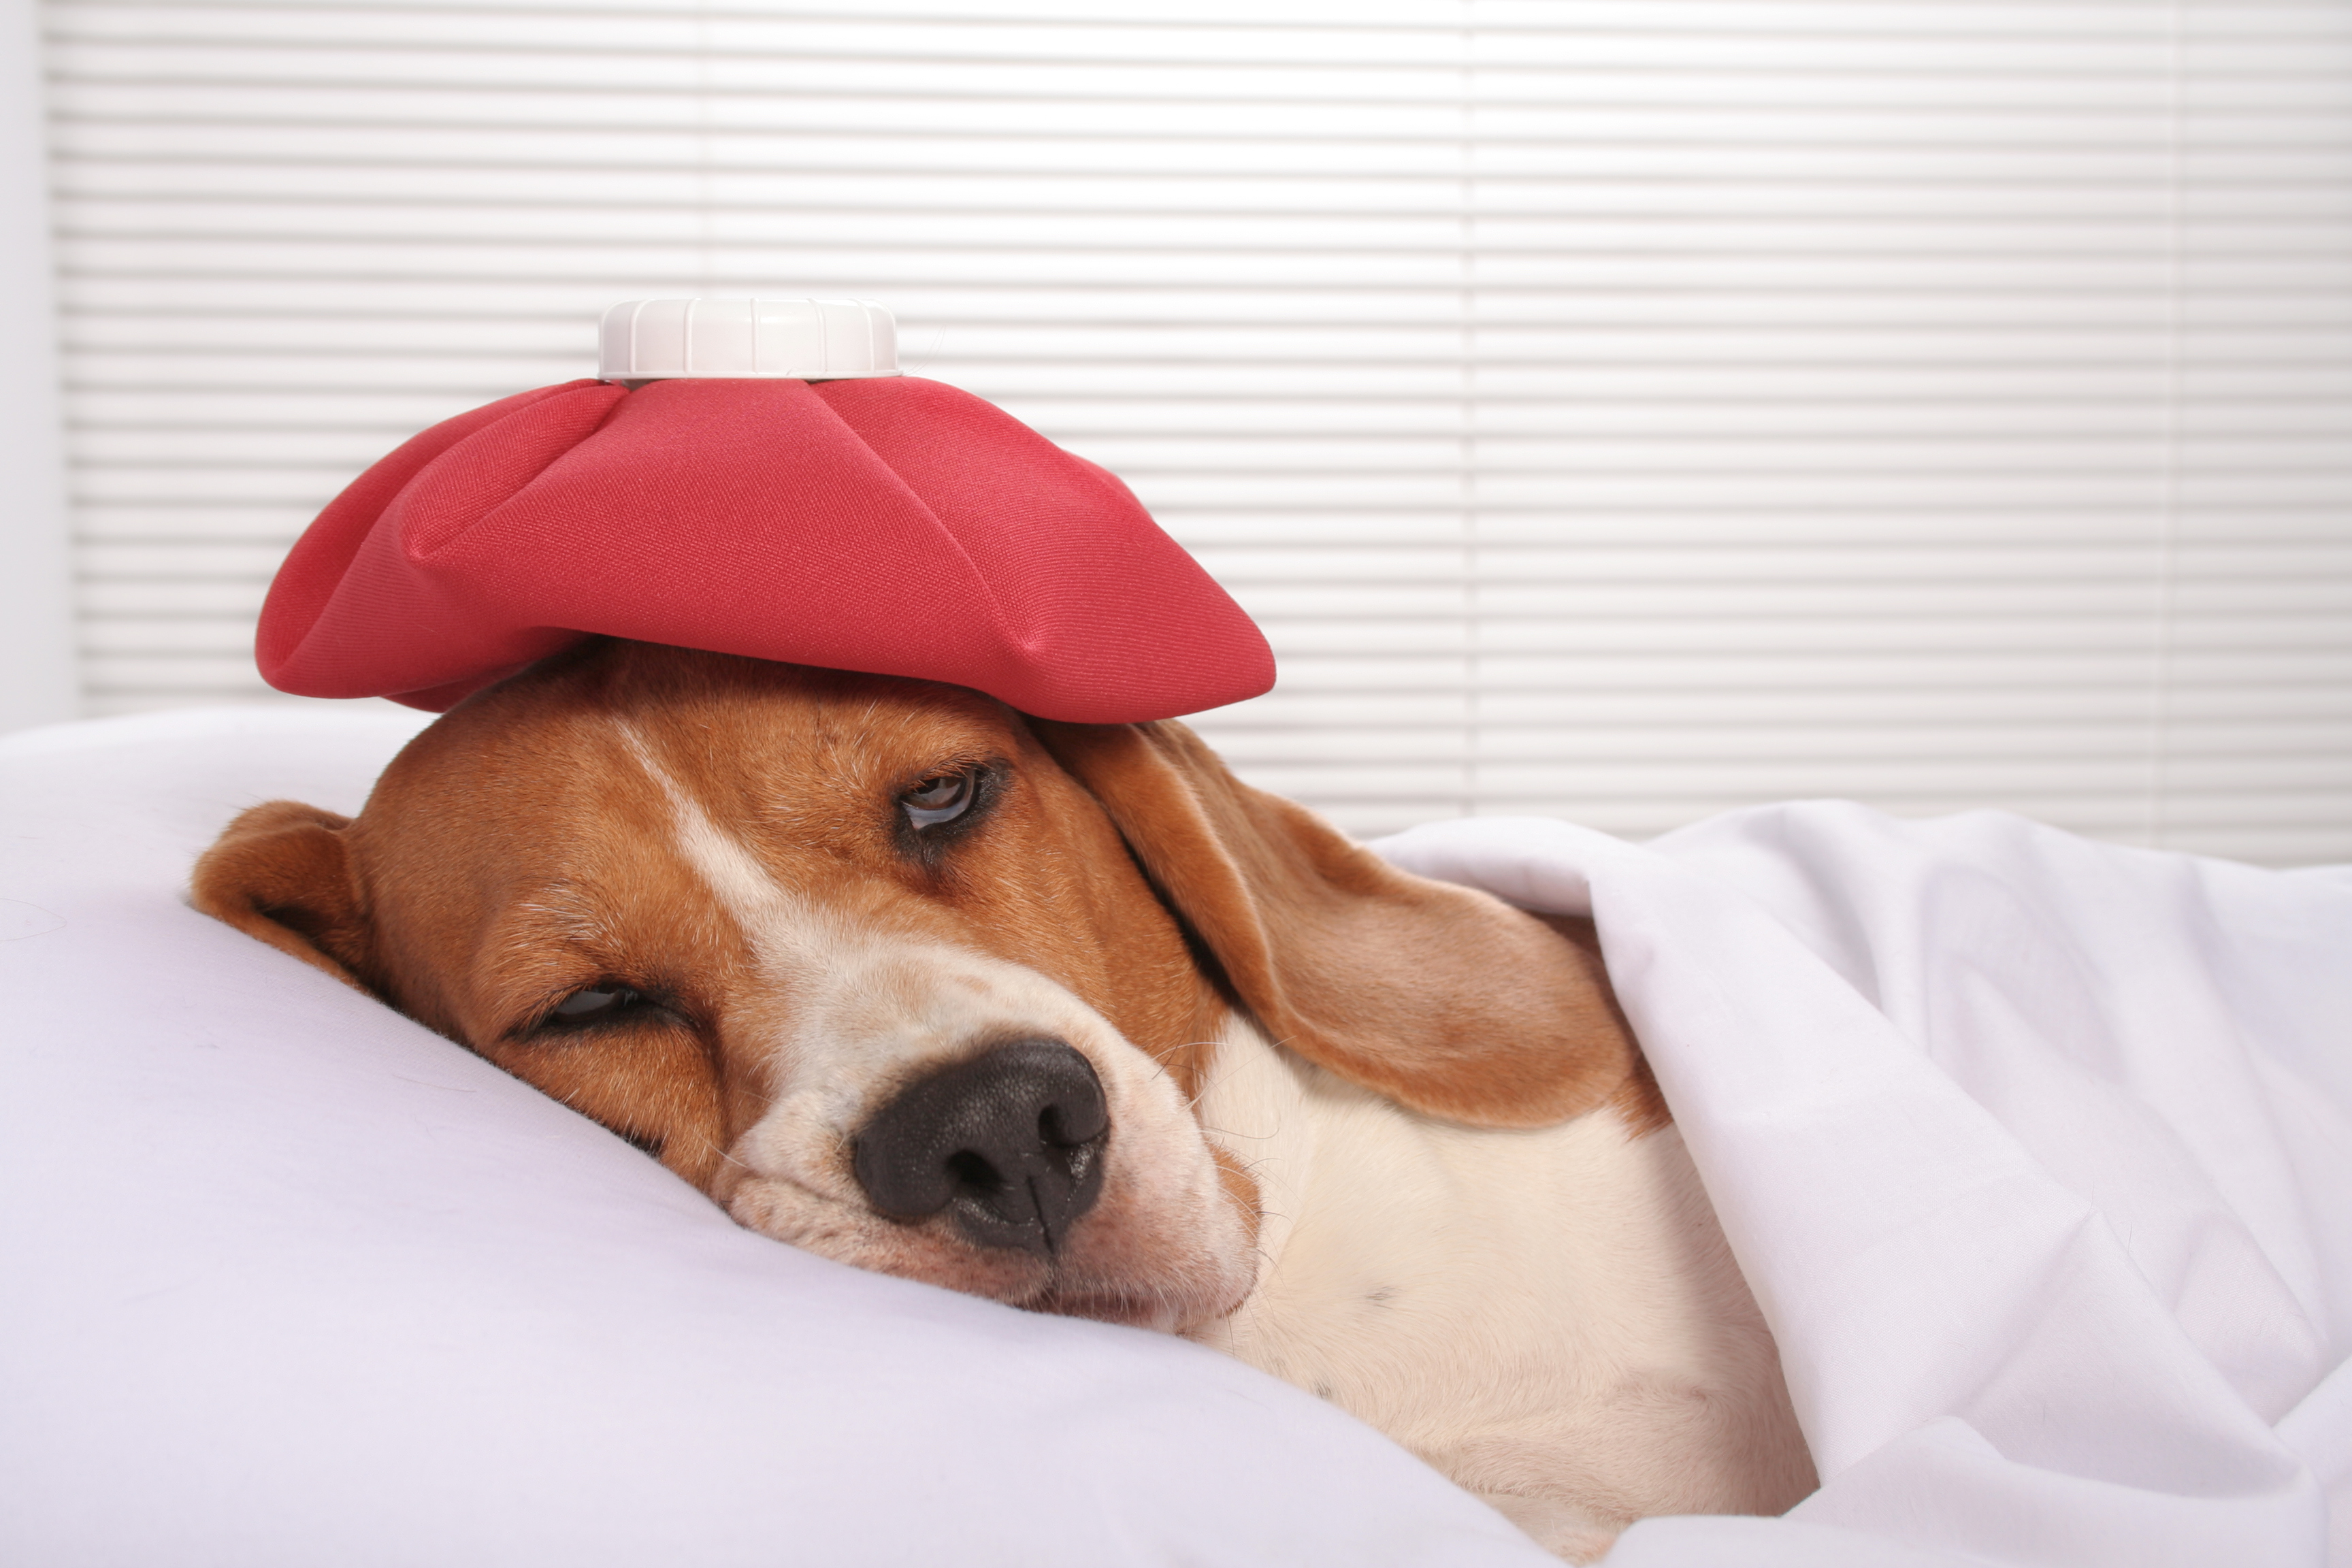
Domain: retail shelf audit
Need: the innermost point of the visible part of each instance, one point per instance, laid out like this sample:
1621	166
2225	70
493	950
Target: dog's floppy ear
1446	1000
280	873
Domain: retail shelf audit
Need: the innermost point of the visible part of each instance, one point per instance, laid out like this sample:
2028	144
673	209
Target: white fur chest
1551	1317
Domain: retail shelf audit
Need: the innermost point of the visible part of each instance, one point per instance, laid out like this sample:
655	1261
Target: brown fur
509	857
1446	1001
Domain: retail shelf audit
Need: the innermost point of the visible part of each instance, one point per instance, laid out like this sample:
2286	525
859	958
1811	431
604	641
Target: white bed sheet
2037	1154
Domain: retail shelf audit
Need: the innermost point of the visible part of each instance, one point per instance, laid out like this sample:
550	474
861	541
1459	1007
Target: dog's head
901	976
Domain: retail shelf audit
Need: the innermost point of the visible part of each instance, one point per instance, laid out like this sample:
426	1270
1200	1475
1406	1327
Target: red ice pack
877	522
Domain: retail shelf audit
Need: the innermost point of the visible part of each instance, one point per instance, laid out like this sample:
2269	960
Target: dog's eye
587	1006
940	799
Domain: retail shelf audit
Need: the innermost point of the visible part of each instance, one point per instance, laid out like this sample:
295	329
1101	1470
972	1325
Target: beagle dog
1064	1016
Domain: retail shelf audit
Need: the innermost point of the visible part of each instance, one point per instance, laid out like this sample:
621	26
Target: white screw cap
799	339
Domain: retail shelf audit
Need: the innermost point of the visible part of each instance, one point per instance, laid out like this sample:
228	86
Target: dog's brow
772	919
541	941
563	911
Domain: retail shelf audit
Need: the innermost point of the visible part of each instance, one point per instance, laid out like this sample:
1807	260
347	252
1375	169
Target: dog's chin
1157	1313
1182	1295
1184	1291
1171	1306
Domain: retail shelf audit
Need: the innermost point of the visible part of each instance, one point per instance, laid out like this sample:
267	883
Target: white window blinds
1615	410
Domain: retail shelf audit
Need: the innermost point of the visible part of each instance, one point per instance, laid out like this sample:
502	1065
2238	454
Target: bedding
2035	1152
2038	1154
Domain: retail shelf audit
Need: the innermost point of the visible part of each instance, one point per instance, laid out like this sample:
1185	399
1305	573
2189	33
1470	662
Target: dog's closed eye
595	1004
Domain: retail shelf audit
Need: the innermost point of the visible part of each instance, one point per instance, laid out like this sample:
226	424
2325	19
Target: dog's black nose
1012	1139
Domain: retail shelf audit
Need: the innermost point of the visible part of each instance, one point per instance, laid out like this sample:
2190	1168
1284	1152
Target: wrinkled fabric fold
2033	1151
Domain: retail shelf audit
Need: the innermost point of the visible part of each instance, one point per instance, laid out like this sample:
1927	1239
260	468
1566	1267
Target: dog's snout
1011	1141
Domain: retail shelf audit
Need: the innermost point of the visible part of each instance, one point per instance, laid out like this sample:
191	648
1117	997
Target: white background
1620	411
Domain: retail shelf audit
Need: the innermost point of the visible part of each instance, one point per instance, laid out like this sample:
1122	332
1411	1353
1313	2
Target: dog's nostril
1050	1128
972	1173
1010	1141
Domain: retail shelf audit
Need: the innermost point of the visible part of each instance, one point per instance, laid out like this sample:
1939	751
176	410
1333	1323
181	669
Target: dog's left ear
1443	999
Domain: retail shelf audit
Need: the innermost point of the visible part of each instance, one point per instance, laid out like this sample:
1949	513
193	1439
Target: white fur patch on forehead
777	922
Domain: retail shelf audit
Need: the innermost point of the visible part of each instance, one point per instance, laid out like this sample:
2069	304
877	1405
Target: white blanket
2037	1154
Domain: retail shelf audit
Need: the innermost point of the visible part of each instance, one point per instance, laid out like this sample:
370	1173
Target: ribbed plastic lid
798	339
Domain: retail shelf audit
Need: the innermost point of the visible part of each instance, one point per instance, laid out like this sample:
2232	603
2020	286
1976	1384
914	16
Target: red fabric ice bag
891	524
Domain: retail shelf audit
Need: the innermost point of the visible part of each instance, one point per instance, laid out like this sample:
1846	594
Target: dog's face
878	965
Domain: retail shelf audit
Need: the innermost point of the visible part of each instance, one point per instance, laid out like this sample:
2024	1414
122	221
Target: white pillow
286	1280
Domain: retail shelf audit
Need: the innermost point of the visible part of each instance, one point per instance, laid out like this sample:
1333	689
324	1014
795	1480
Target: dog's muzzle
1010	1141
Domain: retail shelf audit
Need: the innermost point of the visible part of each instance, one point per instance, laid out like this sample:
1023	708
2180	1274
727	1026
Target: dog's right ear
1446	1000
280	874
